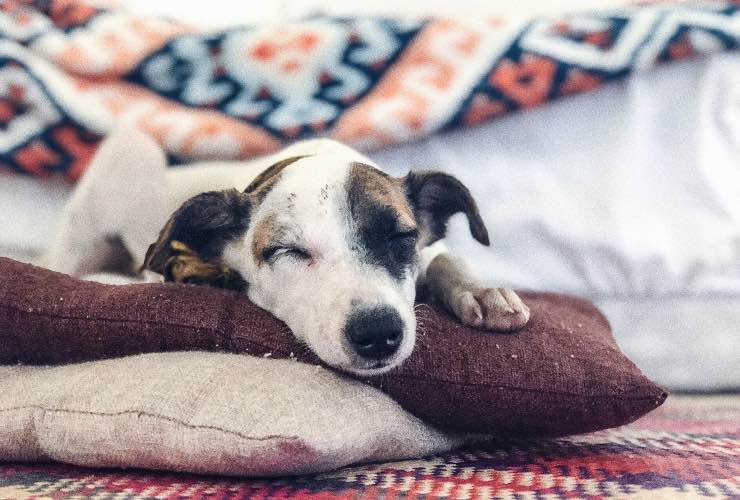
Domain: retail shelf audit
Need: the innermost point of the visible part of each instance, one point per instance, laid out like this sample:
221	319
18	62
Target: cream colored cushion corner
204	413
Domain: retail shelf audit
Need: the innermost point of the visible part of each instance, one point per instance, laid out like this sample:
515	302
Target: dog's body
317	234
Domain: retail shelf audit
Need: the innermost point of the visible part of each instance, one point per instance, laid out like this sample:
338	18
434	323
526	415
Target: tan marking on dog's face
384	190
263	235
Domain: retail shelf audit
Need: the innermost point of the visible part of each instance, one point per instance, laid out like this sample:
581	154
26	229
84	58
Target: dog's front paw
498	309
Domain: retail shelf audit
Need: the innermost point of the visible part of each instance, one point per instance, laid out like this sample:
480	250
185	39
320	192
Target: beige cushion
204	412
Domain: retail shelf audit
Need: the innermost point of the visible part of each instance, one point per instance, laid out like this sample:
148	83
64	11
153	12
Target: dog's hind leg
122	197
448	281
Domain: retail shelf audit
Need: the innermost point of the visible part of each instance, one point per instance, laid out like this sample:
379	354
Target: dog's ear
436	197
191	244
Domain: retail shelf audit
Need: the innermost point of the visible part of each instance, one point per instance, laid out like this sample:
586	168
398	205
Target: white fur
428	254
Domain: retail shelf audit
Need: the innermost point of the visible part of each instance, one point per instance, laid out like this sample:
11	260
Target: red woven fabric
687	449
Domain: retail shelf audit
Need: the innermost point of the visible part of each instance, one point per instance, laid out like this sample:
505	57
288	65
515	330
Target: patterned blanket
689	448
70	71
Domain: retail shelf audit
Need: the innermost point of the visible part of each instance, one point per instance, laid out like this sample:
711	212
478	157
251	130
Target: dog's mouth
364	368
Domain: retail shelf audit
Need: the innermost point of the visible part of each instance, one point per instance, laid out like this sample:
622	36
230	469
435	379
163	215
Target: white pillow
204	413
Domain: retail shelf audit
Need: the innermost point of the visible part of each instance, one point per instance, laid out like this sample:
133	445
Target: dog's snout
375	333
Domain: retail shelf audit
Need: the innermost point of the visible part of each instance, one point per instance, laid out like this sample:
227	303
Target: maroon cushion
562	374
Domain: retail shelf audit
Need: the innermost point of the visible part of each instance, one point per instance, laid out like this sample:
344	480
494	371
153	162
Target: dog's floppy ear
436	197
190	245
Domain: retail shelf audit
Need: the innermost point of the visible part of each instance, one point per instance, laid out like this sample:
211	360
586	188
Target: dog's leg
447	280
122	196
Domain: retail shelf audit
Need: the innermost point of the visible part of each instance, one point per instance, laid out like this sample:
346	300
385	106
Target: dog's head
329	246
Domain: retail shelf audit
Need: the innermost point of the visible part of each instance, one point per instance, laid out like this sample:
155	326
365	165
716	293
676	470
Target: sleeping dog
317	234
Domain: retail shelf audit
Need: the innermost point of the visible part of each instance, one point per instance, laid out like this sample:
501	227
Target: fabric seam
140	413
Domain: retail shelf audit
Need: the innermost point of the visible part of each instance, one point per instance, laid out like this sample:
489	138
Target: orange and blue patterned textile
69	72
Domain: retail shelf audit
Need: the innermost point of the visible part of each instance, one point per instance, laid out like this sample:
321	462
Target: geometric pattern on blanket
689	448
69	72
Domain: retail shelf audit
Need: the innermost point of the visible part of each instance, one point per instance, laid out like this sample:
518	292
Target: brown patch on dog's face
383	190
264	182
264	234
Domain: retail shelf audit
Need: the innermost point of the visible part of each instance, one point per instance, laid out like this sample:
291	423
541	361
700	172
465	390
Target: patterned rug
70	71
689	448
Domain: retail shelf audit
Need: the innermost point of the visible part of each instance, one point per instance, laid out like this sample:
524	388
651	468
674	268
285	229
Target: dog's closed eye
403	245
273	253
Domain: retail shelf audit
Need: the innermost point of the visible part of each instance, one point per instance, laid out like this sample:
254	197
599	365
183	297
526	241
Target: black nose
375	333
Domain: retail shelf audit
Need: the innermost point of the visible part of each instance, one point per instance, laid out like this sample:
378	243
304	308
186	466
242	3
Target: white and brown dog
317	234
